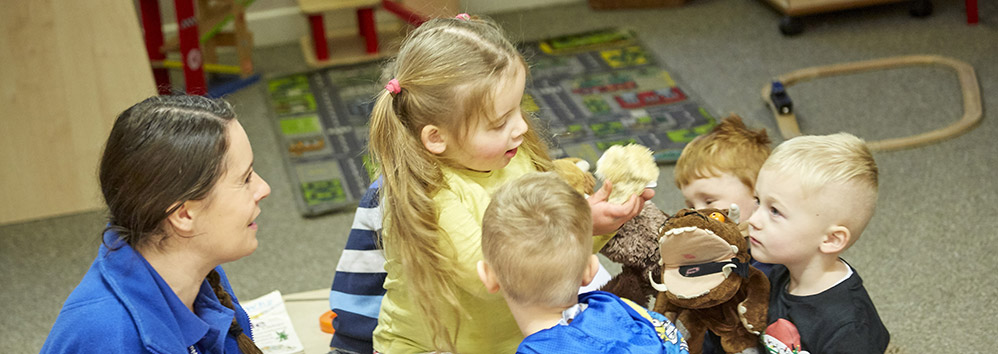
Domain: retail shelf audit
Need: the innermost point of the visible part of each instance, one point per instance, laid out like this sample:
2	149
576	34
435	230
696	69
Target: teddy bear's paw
741	316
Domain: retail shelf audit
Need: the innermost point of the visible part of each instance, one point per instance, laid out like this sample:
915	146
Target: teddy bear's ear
735	214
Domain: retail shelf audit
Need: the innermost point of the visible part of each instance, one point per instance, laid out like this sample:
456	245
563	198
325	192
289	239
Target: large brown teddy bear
707	281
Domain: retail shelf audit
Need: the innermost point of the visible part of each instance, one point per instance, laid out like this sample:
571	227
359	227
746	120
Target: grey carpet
925	256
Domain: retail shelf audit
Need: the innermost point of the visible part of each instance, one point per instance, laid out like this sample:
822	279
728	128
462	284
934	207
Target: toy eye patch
697	270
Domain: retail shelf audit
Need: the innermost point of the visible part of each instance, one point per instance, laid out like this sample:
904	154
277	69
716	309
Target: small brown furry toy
575	171
635	247
707	281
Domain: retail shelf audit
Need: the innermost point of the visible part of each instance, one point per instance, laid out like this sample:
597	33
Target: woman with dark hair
177	177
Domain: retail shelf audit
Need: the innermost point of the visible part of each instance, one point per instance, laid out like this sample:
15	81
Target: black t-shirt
841	319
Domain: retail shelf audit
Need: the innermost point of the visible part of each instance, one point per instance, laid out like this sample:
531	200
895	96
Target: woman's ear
433	139
836	239
182	219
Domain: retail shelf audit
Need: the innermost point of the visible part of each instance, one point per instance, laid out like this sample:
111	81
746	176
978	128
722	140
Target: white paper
271	325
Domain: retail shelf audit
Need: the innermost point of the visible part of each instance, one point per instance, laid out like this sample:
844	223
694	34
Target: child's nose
520	127
752	222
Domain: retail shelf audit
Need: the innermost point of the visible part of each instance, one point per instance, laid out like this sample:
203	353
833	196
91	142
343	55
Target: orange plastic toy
326	322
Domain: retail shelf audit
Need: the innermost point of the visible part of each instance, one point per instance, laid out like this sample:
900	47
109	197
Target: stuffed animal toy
575	171
635	247
707	281
630	168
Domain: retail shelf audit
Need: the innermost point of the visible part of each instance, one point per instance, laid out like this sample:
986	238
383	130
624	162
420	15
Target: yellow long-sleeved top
491	328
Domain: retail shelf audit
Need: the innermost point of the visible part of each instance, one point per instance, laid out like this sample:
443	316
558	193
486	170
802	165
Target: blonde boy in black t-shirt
816	194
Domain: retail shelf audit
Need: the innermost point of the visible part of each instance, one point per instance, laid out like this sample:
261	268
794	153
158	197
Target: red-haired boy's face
719	192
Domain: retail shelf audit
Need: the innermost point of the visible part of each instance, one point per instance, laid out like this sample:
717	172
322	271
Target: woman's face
226	228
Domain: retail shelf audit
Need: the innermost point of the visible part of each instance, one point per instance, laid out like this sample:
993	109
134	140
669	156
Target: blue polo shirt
608	324
122	305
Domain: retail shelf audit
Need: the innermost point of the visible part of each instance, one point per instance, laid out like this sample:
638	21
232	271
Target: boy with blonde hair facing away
537	249
816	194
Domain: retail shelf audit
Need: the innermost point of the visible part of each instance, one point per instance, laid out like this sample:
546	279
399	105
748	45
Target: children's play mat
590	91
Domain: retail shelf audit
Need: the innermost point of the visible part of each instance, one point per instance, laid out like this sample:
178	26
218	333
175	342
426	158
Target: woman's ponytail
246	344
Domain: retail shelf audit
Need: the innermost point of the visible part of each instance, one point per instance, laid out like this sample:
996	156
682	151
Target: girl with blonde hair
448	130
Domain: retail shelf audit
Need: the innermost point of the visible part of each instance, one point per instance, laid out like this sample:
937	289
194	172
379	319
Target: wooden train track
972	109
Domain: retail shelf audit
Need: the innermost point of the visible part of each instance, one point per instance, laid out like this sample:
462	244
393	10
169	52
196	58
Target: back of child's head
537	238
729	148
842	160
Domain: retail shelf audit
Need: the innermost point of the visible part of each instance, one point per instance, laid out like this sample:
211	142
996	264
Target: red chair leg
152	25
365	20
319	37
971	11
190	47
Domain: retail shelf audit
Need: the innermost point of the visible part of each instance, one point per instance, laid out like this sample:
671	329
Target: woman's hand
608	217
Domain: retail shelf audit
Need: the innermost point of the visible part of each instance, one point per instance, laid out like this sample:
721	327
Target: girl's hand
608	217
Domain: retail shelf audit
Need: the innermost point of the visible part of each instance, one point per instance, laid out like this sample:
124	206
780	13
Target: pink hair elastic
393	86
463	16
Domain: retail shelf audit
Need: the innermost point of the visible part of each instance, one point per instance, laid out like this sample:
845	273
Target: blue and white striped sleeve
358	285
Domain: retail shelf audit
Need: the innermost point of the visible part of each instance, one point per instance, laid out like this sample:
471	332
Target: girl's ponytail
411	177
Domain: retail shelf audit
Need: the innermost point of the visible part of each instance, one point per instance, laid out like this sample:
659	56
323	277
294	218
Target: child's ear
591	270
433	139
182	219
836	239
487	277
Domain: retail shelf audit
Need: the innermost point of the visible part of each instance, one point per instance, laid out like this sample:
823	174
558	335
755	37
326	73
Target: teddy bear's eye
717	216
